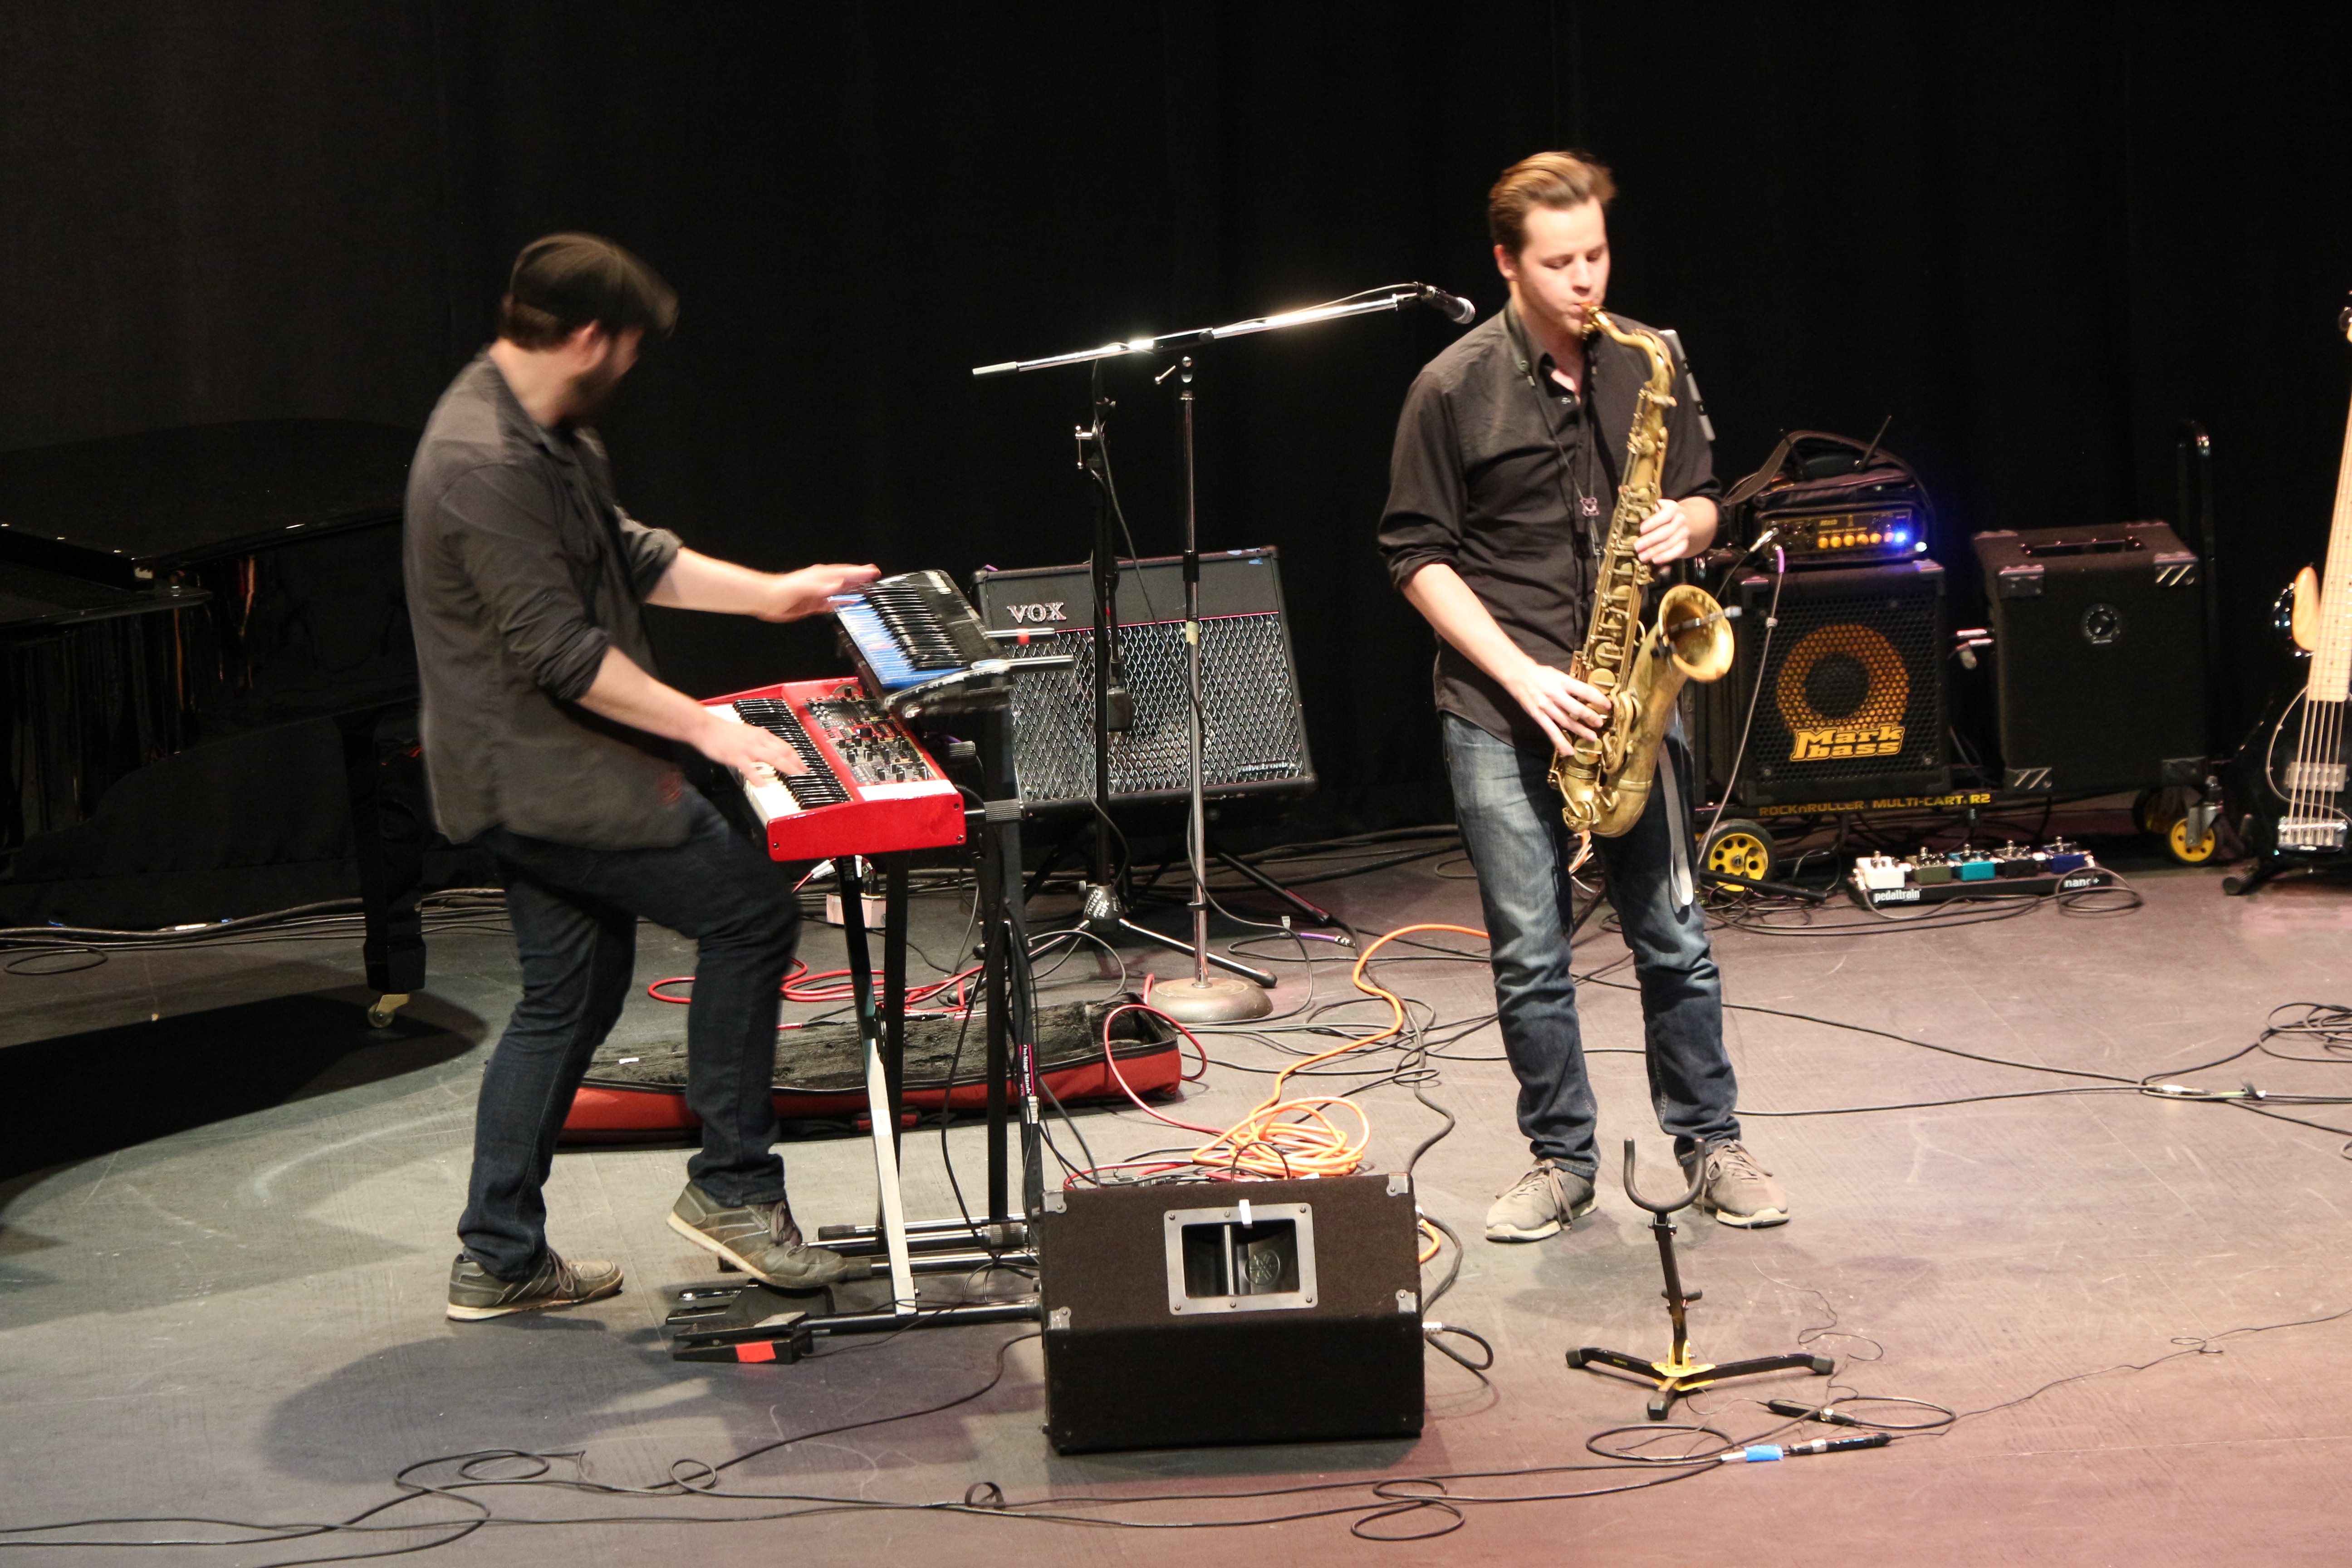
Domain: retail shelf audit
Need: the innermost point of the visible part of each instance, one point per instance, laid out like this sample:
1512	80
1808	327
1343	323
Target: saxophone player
1503	482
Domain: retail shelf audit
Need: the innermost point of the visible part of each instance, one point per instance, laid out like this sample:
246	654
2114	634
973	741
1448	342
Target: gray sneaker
475	1293
761	1239
1546	1199
1737	1190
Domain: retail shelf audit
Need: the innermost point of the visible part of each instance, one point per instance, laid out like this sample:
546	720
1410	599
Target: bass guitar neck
2287	784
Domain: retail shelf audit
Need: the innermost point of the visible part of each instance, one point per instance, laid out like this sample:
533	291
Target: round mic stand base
1211	1000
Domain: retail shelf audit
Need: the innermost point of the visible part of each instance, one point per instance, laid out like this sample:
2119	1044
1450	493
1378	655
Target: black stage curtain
2034	236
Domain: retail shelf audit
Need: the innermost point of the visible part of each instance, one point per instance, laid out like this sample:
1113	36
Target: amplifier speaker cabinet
1852	702
2099	657
1253	730
1180	1315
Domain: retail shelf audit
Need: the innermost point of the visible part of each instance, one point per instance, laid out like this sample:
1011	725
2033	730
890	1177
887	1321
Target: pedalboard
1882	881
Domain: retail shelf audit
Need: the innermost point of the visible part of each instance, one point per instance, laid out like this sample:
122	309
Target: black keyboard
920	645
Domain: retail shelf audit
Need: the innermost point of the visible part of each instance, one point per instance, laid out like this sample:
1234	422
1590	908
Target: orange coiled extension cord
1288	1137
1298	1137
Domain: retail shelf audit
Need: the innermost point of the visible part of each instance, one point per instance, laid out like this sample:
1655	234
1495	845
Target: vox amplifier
1254	737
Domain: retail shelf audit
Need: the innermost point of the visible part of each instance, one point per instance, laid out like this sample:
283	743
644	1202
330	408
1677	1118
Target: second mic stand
1102	911
1202	1000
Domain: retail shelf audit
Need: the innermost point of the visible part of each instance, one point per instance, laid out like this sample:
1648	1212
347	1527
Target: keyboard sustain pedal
725	1320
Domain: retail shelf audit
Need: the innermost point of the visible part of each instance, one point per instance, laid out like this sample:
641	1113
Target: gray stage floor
221	1292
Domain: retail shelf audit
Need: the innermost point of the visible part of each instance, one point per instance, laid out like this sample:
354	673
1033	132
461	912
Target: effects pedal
1879	881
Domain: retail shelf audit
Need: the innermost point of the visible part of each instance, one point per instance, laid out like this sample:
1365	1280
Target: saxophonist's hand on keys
1560	703
1665	535
1678	531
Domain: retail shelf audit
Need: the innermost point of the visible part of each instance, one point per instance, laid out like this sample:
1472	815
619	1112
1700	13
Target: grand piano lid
121	508
35	600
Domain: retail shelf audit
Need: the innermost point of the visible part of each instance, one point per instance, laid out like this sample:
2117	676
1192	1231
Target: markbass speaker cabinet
1180	1315
1848	687
2099	657
1253	730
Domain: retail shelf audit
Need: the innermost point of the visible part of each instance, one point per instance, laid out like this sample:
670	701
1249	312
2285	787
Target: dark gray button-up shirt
1495	476
522	569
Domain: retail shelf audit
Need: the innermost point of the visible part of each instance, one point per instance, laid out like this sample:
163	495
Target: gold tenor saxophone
1604	783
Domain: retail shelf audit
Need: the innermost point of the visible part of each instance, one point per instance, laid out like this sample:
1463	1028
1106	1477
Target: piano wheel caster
380	1016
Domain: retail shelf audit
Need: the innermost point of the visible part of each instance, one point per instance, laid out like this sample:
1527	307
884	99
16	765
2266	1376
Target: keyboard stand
958	1245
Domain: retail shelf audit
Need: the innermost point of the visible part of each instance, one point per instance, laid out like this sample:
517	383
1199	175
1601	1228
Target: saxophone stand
1678	1374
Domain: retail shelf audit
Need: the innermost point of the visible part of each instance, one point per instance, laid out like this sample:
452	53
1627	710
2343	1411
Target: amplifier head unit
1858	537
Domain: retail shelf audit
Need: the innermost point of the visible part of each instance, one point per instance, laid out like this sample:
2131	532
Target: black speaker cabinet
2099	655
1195	1313
1255	731
1852	680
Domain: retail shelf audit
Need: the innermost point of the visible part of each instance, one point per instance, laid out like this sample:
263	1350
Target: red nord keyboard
869	788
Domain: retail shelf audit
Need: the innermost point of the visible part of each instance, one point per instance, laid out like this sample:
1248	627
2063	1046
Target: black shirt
1493	473
522	569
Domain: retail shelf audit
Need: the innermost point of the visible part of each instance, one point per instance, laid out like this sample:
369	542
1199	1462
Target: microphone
1452	306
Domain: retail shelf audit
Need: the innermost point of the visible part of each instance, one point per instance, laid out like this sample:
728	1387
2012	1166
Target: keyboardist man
550	741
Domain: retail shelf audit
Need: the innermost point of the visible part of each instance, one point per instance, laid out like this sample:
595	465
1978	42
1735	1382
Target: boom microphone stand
1202	1000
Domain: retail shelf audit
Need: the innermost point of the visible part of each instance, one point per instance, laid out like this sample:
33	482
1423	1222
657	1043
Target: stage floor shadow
78	1096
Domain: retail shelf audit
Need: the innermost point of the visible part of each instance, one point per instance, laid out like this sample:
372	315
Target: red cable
802	985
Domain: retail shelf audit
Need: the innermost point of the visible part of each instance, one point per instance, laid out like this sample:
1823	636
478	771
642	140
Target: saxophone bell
1697	633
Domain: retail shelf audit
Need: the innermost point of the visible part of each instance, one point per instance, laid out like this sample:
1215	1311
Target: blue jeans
1510	822
575	925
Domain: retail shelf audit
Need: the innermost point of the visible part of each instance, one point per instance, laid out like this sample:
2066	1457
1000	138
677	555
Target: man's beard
590	392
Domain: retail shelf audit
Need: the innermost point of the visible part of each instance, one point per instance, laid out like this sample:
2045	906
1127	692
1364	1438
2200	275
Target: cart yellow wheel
2188	854
1739	848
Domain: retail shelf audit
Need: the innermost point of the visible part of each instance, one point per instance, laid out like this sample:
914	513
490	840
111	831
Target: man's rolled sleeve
650	552
498	528
1689	472
1427	503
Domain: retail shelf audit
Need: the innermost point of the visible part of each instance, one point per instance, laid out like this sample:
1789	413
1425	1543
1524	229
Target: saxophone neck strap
1745	491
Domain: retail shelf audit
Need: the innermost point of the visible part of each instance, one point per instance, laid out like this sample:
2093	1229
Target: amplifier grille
1853	696
1251	729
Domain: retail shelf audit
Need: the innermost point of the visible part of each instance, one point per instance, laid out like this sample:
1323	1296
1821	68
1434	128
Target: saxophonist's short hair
1559	180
